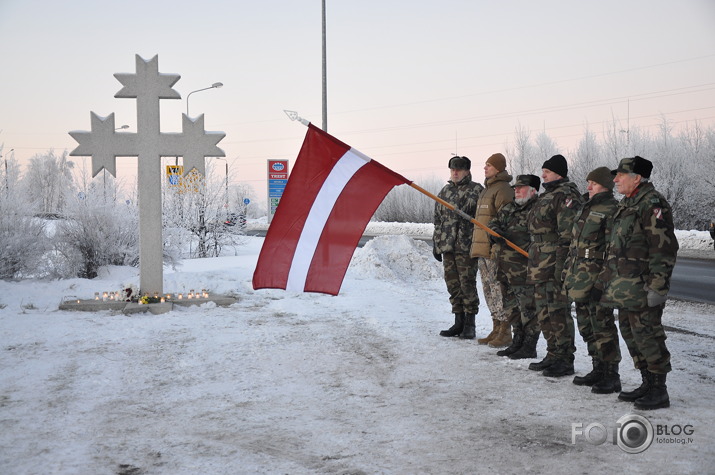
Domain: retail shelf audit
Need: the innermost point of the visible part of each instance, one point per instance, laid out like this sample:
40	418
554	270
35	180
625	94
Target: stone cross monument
104	145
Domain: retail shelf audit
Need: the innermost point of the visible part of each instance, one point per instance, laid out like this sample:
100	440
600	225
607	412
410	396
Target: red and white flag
328	201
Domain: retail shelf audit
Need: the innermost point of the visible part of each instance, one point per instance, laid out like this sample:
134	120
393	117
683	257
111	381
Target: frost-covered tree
546	147
194	213
23	242
93	234
587	157
48	182
404	204
522	156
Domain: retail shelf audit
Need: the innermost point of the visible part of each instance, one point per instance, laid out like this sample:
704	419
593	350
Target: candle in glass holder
181	296
96	296
105	295
163	300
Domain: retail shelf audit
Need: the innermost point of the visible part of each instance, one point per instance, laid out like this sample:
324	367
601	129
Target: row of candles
116	296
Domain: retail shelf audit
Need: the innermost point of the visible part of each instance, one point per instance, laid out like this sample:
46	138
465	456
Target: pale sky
409	82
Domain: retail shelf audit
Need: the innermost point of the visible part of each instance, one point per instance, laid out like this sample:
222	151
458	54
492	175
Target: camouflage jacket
588	245
642	249
452	233
550	223
511	219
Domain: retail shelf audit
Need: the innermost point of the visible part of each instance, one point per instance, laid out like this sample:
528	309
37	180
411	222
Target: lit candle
181	296
104	296
163	300
96	296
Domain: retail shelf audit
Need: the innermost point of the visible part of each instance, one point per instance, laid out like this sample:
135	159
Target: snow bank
395	258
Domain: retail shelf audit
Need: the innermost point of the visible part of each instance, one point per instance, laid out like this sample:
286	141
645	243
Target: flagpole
293	115
466	216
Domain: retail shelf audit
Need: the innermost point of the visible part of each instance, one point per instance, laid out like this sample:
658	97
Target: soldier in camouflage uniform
452	240
596	323
550	224
510	223
642	249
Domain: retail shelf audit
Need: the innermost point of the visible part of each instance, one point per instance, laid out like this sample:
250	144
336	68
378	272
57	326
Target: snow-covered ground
280	382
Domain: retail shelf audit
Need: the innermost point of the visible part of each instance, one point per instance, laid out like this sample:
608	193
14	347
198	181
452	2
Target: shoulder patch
569	202
658	213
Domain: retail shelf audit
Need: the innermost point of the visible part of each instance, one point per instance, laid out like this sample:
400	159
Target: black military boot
468	333
640	391
657	395
543	364
455	329
558	369
610	382
589	379
516	343
528	348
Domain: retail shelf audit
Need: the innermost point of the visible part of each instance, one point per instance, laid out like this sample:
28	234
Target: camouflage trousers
553	312
492	290
520	308
460	275
645	338
597	327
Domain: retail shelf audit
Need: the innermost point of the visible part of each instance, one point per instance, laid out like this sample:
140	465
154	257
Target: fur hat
637	165
460	163
528	180
497	161
558	165
602	176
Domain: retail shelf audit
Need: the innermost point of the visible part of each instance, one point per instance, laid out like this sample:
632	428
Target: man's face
489	170
549	176
457	175
626	182
594	188
522	192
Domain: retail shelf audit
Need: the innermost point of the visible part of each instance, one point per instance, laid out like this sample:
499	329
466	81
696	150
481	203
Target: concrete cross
103	144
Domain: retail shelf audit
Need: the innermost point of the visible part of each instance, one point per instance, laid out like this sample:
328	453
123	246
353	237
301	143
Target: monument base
130	308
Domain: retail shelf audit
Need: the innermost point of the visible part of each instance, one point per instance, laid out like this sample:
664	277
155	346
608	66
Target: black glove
495	239
596	294
437	256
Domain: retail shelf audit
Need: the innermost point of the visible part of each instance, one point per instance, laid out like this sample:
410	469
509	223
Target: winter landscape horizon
283	382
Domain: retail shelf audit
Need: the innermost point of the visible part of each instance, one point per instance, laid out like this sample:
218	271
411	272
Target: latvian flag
330	197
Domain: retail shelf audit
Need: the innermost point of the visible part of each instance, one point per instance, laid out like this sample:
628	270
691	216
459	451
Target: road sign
277	181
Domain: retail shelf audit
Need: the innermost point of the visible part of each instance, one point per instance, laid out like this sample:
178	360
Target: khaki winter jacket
497	193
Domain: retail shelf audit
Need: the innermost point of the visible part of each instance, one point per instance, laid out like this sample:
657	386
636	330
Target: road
693	279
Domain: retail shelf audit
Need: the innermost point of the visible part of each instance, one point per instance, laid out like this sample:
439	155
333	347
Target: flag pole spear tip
293	115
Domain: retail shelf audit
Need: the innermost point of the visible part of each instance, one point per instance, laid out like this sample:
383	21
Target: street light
215	85
226	204
7	189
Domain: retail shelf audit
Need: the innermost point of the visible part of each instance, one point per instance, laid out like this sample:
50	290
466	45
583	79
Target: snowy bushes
95	235
22	242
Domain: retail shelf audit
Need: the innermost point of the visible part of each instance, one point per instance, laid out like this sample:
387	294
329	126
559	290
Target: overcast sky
409	82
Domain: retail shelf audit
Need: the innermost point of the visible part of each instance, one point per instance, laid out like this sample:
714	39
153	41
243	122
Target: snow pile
695	240
395	258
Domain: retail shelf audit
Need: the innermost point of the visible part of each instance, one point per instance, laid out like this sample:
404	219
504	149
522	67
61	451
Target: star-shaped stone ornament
148	81
199	144
103	144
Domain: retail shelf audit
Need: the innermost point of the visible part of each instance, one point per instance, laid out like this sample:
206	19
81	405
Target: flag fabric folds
326	205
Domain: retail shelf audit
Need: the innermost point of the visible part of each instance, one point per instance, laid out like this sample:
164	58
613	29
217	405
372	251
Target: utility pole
325	77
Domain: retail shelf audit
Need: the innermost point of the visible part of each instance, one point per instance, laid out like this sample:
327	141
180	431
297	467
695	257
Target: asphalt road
693	279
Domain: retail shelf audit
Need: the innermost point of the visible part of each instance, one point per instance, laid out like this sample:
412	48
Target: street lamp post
215	85
226	199
7	188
